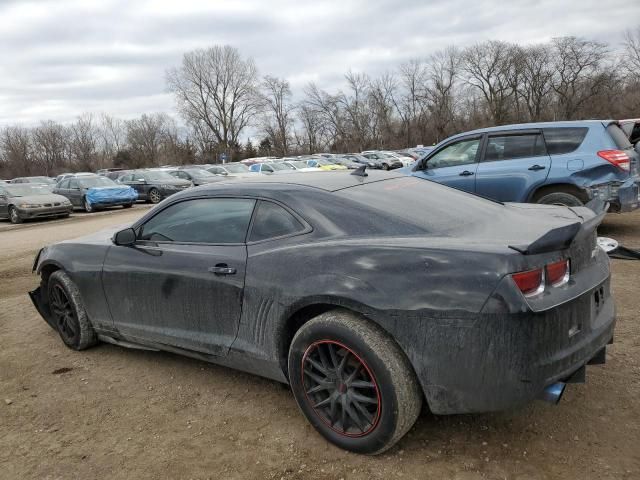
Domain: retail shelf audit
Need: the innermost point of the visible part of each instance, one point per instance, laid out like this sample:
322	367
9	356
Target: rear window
421	203
271	221
619	137
564	140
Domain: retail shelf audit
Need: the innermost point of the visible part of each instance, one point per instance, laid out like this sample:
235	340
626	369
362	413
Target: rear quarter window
619	137
564	139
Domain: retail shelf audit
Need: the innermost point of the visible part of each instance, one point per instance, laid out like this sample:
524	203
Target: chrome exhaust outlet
553	393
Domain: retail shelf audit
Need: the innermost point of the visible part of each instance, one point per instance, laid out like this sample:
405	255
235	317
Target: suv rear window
563	140
618	136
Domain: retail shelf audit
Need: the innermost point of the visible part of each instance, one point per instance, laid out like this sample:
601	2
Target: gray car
153	185
340	285
25	201
197	176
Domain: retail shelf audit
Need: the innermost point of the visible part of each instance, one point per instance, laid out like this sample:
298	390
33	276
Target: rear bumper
622	196
499	361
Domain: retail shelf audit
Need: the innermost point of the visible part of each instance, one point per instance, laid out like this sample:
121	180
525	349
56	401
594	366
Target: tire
560	198
68	313
128	205
387	388
154	196
385	166
86	205
14	216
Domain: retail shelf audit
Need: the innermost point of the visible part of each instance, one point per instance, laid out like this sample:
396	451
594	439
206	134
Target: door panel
512	166
454	164
170	293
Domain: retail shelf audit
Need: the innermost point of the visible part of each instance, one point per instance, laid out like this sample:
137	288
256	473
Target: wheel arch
569	188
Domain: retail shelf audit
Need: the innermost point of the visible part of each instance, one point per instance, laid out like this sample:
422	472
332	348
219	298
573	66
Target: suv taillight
616	157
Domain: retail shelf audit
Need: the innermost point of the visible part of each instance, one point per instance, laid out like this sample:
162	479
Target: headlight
31	205
371	164
66	202
167	186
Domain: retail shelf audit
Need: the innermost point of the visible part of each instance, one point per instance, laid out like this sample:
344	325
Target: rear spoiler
561	238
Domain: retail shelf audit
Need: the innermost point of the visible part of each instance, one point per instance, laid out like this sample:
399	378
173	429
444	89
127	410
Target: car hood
39	199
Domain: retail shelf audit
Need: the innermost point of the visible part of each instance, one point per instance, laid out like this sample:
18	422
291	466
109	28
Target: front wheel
154	196
87	205
14	216
68	313
385	166
353	383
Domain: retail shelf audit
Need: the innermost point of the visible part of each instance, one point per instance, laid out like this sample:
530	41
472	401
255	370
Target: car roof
328	181
533	125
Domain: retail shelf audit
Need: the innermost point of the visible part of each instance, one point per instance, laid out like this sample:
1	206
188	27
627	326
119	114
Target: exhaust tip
553	393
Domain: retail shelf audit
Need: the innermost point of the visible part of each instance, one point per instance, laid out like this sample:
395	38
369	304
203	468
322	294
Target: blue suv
565	163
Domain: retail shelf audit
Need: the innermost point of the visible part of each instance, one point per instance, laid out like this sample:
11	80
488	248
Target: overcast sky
59	58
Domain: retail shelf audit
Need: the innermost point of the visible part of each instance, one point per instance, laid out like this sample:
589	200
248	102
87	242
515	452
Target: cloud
64	57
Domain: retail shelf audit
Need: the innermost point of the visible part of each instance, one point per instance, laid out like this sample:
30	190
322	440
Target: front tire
14	216
68	313
385	166
87	205
353	383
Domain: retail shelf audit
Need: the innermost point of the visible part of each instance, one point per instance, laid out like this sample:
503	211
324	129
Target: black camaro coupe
368	294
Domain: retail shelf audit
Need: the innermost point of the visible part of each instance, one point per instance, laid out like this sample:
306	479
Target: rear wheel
385	166
560	198
353	383
68	313
14	216
154	196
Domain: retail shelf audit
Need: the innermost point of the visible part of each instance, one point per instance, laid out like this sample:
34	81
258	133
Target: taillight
558	273
531	282
616	157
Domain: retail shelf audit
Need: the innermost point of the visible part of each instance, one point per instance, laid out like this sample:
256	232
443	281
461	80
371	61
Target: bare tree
219	88
145	137
488	69
579	75
442	72
16	153
327	109
410	102
278	115
631	55
50	147
535	83
83	143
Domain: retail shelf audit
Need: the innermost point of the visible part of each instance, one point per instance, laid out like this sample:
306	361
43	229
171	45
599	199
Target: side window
126	178
216	170
65	183
184	176
267	168
73	183
255	167
272	221
463	152
209	220
564	140
510	147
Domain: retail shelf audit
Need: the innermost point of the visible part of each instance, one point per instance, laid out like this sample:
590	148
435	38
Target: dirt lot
117	413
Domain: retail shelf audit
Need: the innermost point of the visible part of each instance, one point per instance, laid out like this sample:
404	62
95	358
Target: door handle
536	167
466	173
222	269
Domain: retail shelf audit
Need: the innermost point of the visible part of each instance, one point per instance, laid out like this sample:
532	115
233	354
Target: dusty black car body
436	280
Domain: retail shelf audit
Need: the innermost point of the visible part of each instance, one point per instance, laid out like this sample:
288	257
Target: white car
301	166
405	159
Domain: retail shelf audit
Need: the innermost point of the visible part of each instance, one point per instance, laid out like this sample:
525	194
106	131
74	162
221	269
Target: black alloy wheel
64	315
341	388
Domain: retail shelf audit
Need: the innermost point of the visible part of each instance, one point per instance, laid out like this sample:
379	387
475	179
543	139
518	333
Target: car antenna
360	171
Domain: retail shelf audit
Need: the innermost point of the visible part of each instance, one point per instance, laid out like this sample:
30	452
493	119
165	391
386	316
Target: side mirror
125	238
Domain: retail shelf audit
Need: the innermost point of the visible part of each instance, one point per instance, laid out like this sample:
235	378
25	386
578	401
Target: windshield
198	172
96	182
298	165
323	161
157	176
280	166
25	189
46	180
237	168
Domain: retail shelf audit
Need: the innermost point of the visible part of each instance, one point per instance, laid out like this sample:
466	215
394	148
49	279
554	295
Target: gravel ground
118	413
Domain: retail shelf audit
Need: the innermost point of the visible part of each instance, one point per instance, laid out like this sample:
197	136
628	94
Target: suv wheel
560	198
